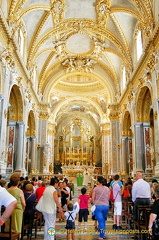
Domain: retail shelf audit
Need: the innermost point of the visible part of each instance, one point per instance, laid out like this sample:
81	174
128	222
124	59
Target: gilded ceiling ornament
7	56
78	64
60	46
151	63
57	11
103	9
156	65
99	47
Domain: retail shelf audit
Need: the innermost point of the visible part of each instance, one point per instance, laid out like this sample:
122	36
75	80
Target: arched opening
145	117
127	156
15	126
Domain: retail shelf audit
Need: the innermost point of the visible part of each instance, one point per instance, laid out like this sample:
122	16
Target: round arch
31	124
15	111
143	105
126	125
61	104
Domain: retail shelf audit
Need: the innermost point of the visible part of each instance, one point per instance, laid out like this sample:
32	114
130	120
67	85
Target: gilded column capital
114	116
44	111
51	129
105	129
43	115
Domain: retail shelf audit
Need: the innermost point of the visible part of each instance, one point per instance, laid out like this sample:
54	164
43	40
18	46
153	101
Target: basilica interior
79	87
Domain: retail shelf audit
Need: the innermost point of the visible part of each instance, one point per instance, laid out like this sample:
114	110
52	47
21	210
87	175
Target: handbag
39	205
155	227
93	208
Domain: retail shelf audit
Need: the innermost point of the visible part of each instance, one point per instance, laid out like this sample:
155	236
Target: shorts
83	213
117	208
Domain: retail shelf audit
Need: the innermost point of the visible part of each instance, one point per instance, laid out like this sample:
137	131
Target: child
70	222
83	212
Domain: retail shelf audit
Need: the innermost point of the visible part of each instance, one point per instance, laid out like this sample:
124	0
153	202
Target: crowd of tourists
20	197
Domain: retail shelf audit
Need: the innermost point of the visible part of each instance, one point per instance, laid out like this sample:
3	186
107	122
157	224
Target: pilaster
139	147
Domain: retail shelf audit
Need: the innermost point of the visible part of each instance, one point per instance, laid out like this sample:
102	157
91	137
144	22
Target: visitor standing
83	212
49	204
141	193
100	198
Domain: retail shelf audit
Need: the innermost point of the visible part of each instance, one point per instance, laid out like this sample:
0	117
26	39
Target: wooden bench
9	235
142	223
129	214
38	221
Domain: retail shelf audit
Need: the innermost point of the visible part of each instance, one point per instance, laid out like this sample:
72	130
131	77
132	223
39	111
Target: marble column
20	147
130	158
51	140
139	147
115	129
46	158
124	155
33	154
147	152
105	148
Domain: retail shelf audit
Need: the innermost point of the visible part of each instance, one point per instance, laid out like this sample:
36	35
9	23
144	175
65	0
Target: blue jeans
101	213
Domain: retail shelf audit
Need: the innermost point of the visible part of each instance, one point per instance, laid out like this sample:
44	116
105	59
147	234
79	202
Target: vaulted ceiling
78	48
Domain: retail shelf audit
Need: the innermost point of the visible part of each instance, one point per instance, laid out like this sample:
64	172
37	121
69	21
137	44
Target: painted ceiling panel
36	2
31	25
127	23
48	25
124	3
80	9
41	61
112	27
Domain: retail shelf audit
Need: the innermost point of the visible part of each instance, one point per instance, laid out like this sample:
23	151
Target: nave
90	233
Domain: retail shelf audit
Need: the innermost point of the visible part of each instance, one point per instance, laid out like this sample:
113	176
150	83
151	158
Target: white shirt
73	214
48	203
141	189
5	197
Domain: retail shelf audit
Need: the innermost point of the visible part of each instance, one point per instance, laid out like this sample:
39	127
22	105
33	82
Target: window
139	45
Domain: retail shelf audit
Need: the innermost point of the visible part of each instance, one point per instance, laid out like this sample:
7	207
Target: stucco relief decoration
78	64
59	46
99	47
6	55
57	10
156	54
103	10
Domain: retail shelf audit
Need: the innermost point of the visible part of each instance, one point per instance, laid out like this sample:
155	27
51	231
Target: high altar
76	148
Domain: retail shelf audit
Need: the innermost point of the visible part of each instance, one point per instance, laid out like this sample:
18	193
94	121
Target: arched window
139	46
123	82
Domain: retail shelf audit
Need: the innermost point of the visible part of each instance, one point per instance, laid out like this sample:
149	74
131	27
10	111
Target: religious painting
10	147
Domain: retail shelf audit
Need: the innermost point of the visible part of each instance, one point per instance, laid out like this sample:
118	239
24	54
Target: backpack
111	194
126	193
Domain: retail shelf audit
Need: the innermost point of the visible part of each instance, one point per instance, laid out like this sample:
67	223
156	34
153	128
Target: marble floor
90	233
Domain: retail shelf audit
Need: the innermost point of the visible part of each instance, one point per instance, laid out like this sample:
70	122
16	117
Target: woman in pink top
83	212
100	198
